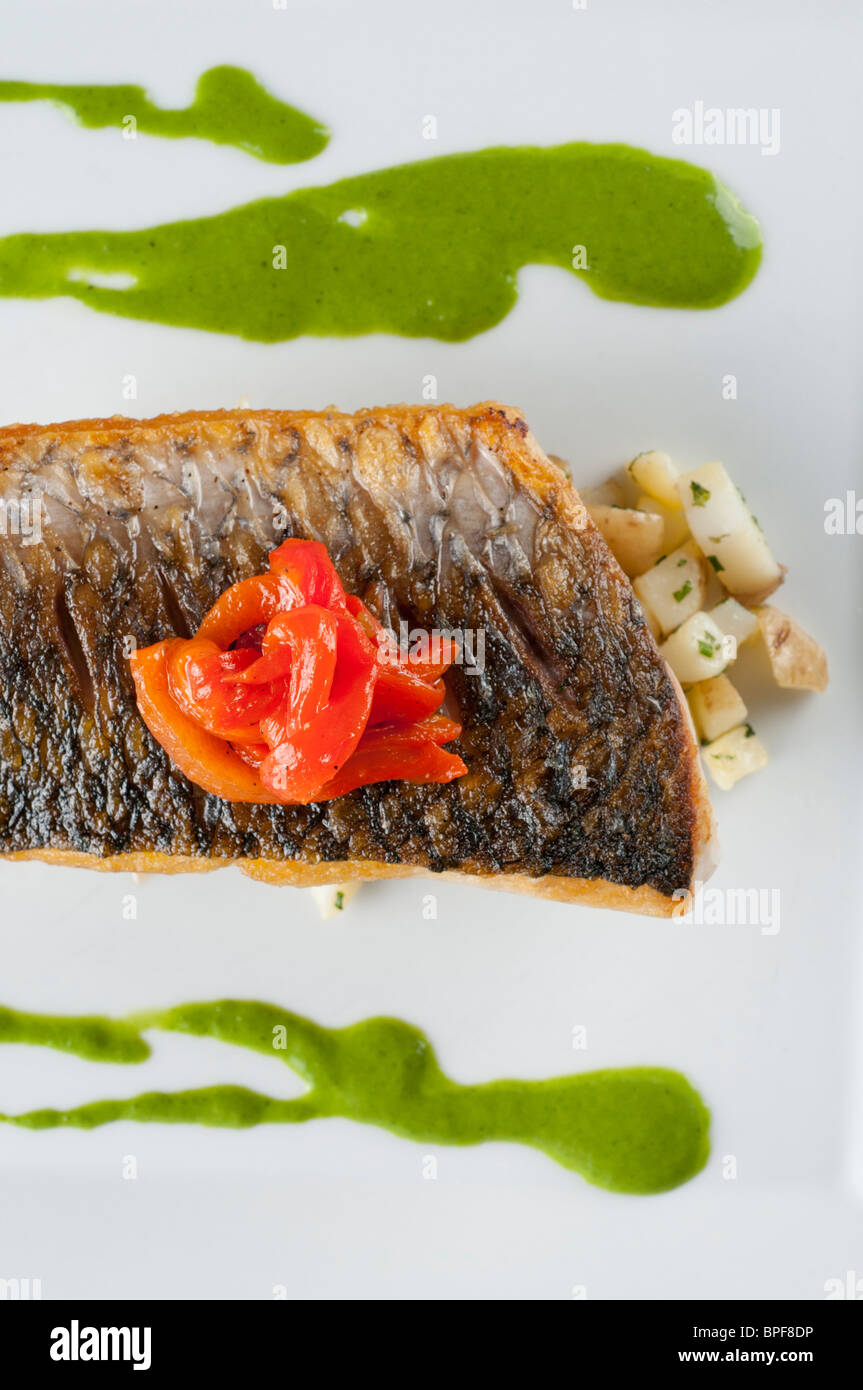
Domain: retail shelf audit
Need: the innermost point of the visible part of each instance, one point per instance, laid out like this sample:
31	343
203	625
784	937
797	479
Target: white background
768	1027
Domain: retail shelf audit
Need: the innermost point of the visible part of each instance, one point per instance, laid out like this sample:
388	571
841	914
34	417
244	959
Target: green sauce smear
635	1130
230	108
430	249
95	1038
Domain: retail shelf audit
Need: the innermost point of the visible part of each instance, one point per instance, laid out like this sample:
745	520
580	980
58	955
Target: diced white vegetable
656	475
332	898
798	662
634	538
673	589
733	756
716	707
675	530
728	534
607	494
694	652
739	624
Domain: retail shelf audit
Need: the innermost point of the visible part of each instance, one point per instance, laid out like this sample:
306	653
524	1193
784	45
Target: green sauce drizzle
230	108
94	1038
431	249
636	1129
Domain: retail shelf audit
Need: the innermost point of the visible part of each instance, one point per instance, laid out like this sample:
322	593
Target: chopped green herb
680	594
717	565
723	757
681	562
700	494
660	560
750	732
706	645
340	901
717	539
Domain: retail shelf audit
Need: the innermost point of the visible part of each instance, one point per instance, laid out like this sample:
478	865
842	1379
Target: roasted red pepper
204	759
307	564
307	752
201	678
292	691
390	753
402	697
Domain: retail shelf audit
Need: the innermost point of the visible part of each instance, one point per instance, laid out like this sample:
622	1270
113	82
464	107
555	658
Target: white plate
767	1026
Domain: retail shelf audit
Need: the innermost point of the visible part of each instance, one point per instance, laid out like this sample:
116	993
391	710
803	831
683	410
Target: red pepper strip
306	755
309	566
199	678
310	638
269	666
442	652
436	728
401	697
392	655
383	640
205	760
251	640
252	753
247	604
283	643
384	756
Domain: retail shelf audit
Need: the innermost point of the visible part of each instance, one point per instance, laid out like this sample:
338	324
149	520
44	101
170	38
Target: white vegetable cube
675	530
716	707
607	494
673	589
333	898
695	651
727	533
656	475
798	662
733	756
739	624
634	538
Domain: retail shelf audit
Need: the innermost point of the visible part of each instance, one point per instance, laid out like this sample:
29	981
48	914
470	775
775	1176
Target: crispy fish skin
584	781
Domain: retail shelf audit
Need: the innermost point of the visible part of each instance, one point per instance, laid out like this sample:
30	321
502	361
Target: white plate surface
768	1026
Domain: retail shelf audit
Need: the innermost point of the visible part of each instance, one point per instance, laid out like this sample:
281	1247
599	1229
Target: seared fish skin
583	777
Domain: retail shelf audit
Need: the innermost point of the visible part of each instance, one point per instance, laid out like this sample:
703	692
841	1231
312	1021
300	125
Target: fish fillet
583	780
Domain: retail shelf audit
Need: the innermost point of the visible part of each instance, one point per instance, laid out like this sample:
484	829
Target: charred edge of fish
519	424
